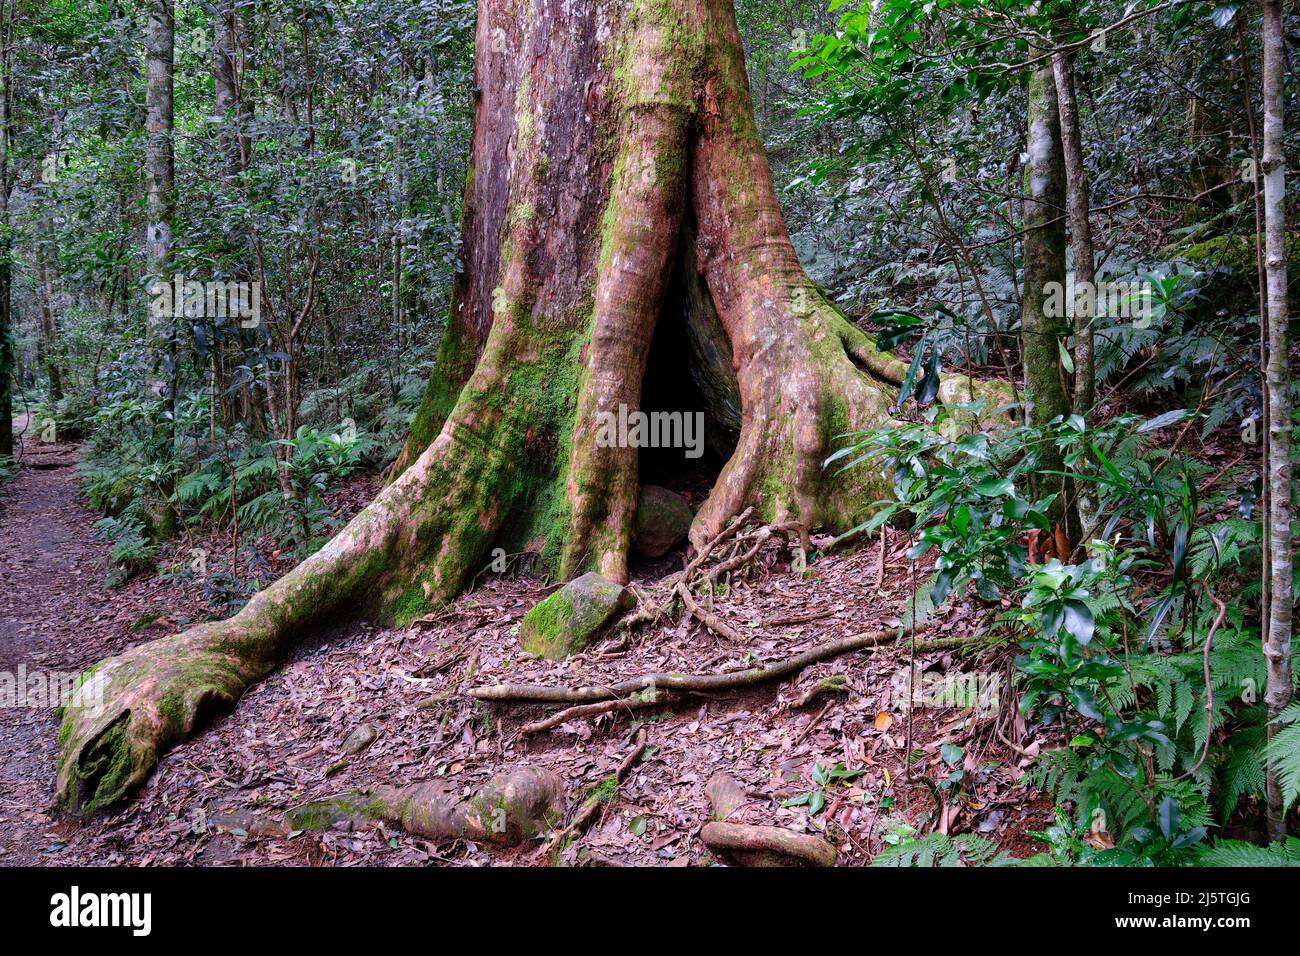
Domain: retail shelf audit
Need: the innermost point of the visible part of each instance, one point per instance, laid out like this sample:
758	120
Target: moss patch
573	616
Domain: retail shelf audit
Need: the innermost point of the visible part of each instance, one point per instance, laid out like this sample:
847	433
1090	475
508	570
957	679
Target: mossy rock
663	519
119	497
159	518
1231	274
573	616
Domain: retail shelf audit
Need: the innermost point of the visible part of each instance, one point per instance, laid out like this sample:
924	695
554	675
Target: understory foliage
330	184
1163	737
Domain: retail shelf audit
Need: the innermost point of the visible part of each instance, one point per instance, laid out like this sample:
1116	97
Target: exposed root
590	808
131	708
835	684
767	846
704	683
650	698
507	810
735	547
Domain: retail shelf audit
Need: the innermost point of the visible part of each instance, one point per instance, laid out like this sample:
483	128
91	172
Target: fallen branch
710	682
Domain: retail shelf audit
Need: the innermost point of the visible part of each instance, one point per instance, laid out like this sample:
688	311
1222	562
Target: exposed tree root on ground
713	682
590	808
507	810
649	698
767	846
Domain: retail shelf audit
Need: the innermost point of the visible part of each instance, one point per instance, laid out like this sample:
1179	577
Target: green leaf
1079	621
909	379
1168	817
1161	421
996	488
1223	15
1067	362
1083	701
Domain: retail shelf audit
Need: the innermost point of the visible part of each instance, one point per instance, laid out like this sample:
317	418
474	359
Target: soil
221	798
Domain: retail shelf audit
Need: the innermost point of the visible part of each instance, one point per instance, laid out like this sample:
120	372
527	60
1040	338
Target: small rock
360	739
573	616
663	519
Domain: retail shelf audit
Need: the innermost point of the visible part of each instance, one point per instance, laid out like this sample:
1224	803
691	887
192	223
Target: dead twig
710	620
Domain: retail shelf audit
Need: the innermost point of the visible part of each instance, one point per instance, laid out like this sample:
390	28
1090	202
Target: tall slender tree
159	172
1277	378
1043	333
6	238
1077	199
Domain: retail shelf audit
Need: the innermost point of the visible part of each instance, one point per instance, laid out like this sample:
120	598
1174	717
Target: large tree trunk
604	142
1277	624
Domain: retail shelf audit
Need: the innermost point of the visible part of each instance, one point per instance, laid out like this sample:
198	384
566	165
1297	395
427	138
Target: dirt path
56	618
51	575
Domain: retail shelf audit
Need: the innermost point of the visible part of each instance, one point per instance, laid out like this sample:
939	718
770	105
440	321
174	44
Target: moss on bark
590	146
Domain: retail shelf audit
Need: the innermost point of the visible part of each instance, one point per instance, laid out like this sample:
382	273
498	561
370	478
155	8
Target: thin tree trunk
1043	334
6	242
49	343
1077	193
1277	624
159	171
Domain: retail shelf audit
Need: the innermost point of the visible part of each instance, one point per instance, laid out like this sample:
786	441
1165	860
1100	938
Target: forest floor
222	797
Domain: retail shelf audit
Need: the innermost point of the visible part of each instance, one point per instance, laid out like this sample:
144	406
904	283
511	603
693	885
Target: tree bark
1077	195
159	173
49	341
1278	619
1043	334
603	140
6	240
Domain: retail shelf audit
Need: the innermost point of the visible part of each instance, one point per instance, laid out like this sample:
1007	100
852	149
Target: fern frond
1240	853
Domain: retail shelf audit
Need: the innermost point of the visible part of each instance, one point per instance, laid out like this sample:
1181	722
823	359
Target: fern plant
1240	853
941	850
1283	753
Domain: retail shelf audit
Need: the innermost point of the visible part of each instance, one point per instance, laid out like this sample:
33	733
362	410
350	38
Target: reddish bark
601	138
